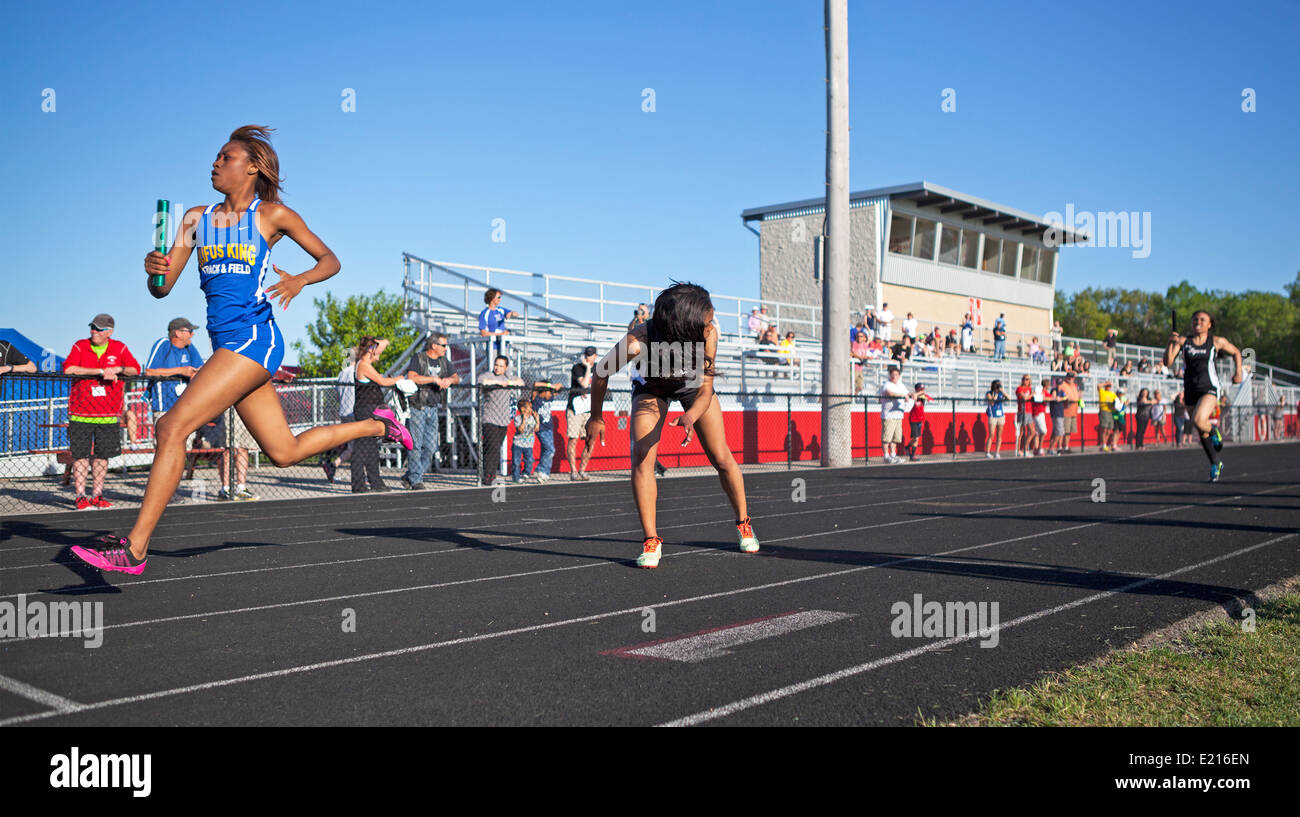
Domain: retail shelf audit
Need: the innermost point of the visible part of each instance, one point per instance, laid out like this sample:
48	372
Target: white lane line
691	649
519	575
40	696
352	521
347	597
830	678
547	625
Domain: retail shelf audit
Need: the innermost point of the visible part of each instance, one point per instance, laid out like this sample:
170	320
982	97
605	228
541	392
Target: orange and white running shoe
748	541
652	550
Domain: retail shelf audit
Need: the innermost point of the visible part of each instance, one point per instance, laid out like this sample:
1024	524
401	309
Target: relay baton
160	237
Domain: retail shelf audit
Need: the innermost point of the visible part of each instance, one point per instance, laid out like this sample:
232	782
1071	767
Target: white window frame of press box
984	233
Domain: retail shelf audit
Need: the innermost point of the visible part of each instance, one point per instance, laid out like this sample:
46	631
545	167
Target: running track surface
472	612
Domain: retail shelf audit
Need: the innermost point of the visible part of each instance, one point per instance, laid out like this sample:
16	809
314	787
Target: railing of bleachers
584	301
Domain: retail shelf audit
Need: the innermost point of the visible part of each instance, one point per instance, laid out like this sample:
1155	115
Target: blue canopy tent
26	401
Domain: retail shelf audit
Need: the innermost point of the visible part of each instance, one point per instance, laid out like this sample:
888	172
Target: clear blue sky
531	112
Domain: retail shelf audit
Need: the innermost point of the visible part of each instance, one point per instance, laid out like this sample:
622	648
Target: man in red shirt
916	418
95	405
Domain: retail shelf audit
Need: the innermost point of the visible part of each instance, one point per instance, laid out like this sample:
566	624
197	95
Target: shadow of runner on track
1148	522
1095	581
455	537
92	579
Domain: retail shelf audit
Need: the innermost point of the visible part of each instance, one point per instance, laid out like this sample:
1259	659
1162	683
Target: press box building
921	248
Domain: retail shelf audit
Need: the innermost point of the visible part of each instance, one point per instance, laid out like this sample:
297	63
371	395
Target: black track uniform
665	378
1200	376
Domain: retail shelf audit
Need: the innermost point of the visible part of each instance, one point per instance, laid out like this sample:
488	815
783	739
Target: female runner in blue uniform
672	356
234	240
1200	350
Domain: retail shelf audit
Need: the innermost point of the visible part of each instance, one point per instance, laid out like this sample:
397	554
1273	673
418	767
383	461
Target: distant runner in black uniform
672	357
1200	350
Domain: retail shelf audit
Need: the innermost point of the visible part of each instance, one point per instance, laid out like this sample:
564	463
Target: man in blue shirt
492	321
172	356
1000	337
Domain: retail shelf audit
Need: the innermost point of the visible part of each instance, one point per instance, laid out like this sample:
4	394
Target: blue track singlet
233	262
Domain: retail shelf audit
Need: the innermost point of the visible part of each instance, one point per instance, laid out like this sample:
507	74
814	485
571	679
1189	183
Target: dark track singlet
1200	376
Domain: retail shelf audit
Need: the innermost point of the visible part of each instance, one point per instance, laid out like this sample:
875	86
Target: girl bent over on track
1200	350
672	358
234	240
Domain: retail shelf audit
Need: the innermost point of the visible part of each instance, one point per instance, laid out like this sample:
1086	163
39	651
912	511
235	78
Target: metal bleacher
560	315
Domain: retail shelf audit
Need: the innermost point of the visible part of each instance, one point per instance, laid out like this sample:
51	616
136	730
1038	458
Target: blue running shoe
1215	471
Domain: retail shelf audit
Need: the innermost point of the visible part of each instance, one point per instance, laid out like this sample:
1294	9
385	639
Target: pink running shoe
111	553
396	432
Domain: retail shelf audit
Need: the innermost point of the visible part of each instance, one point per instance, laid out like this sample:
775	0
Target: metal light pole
836	402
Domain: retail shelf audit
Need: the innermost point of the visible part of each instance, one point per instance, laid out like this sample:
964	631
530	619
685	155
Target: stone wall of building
787	257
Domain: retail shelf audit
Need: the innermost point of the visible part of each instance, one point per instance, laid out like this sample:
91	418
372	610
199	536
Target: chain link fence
65	438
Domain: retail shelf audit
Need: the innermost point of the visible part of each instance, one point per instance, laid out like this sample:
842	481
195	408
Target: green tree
340	325
1268	322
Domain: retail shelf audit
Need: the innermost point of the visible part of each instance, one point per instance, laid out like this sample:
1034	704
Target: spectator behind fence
1036	352
756	323
996	411
95	406
892	394
1112	337
1000	337
1158	412
884	323
239	442
1024	416
578	411
496	402
967	333
861	326
431	373
543	405
639	316
369	396
916	420
1143	416
172	356
1105	416
331	461
1055	334
911	326
521	447
492	321
12	360
1056	407
787	351
861	346
1038	407
1178	409
1070	391
771	340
